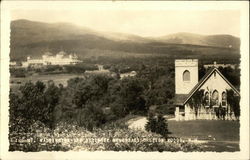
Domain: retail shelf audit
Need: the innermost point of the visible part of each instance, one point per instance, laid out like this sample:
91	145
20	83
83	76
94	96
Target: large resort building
204	99
60	58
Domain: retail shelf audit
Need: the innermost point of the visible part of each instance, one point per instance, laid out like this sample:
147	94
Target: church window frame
207	99
186	76
223	99
215	98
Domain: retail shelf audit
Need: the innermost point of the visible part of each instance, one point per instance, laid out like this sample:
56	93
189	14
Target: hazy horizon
125	32
144	23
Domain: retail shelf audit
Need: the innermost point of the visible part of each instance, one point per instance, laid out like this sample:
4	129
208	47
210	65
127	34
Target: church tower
186	75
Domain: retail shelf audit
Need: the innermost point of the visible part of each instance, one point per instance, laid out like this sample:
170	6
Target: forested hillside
34	38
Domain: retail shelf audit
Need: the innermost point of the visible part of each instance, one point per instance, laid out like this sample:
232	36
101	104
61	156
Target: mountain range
34	38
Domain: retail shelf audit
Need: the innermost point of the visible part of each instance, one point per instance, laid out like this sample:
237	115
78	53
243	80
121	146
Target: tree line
96	100
91	101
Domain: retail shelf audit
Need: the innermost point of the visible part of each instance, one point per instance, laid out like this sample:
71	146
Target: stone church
204	99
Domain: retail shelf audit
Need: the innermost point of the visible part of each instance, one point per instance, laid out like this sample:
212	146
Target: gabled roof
200	83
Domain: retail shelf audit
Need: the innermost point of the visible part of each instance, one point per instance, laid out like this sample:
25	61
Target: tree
202	70
234	101
93	88
35	104
73	82
33	101
52	95
27	108
116	102
233	75
161	92
157	125
162	126
127	96
197	100
83	100
100	84
132	94
15	114
151	124
118	108
152	73
91	116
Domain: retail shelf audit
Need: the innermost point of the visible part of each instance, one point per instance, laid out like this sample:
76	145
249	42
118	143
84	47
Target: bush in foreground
157	124
70	137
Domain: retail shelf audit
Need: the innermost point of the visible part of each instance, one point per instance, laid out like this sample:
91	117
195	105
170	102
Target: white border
243	6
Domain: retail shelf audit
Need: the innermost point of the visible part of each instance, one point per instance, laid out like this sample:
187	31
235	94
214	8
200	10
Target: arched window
224	99
186	75
206	99
215	98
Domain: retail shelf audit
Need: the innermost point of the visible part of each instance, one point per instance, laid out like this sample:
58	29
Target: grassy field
220	135
216	130
57	78
206	129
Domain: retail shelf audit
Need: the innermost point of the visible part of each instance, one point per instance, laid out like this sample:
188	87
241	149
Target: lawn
220	135
202	129
221	146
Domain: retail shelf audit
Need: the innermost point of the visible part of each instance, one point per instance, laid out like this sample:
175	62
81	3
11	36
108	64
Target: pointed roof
186	97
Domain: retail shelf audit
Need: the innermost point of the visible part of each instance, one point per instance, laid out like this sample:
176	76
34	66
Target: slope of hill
125	37
34	38
204	40
25	32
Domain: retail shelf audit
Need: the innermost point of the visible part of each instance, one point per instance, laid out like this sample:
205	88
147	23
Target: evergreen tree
157	125
151	124
162	126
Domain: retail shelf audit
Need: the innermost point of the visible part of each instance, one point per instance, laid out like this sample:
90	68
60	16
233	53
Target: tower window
186	75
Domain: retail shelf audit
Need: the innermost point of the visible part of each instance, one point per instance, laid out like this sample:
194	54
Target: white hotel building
48	59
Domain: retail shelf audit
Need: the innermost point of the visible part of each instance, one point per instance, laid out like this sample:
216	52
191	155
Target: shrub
157	125
18	72
90	117
80	68
36	103
151	124
70	137
234	101
52	68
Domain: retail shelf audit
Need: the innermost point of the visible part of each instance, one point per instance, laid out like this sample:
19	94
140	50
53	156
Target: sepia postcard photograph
124	80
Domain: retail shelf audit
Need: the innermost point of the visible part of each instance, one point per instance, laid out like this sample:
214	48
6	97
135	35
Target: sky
141	22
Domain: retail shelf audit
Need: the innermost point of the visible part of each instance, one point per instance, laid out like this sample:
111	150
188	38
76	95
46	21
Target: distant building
60	58
213	88
13	64
220	65
129	74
